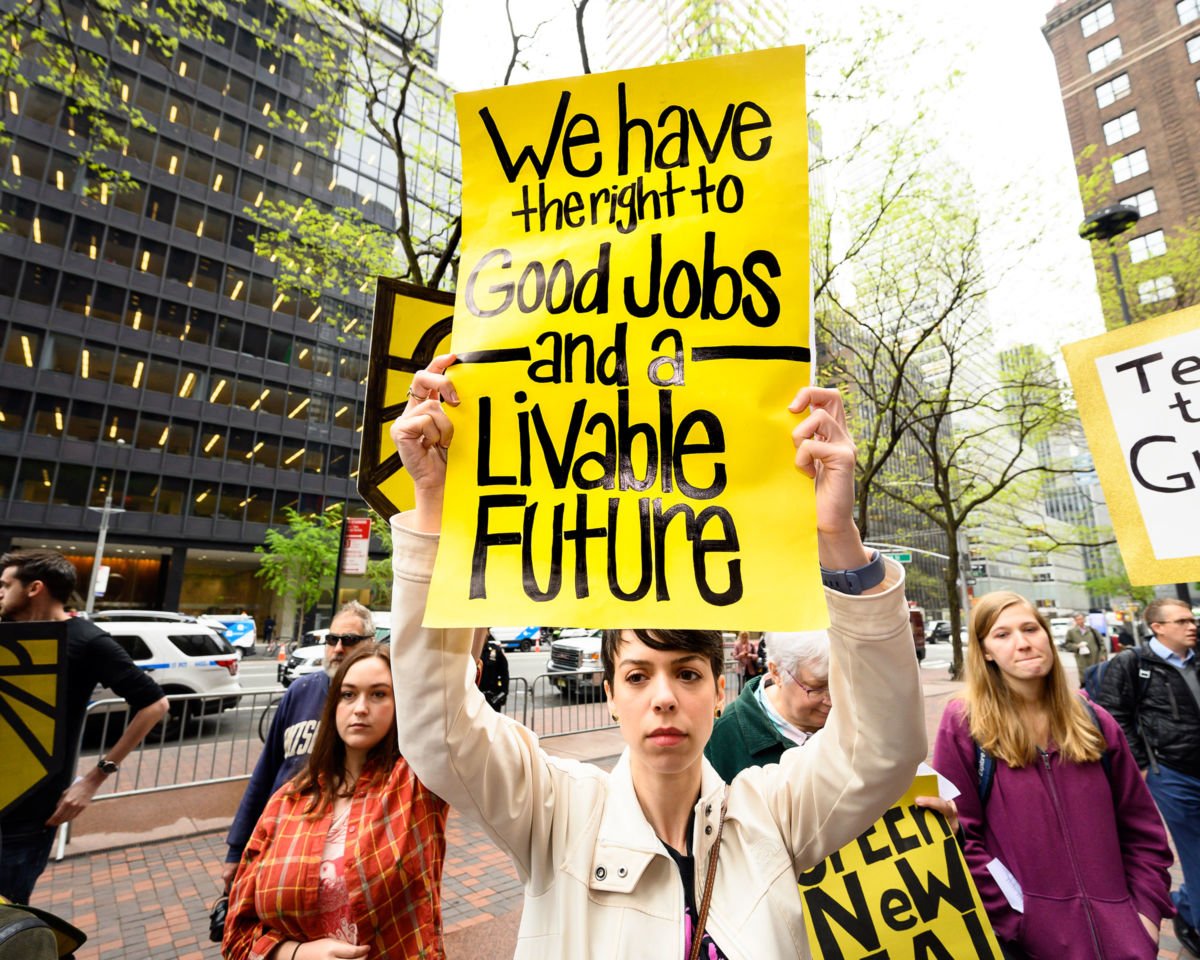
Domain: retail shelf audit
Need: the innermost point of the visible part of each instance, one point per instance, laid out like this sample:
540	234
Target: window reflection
85	422
34	480
108	482
172	495
140	492
72	484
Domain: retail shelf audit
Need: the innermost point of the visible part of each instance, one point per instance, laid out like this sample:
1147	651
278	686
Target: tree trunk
956	612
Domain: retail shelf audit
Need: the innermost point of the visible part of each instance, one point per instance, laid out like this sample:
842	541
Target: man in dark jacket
775	711
1085	642
36	585
294	730
493	674
1154	693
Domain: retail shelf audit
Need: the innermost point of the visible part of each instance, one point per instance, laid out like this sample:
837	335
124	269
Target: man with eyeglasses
294	729
778	710
1154	693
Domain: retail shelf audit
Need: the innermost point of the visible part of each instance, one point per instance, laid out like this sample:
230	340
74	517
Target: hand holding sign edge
422	434
825	452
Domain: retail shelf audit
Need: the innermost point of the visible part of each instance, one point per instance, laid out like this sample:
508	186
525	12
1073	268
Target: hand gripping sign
631	322
1138	392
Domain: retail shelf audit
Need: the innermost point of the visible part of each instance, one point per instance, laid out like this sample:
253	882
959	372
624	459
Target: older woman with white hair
778	710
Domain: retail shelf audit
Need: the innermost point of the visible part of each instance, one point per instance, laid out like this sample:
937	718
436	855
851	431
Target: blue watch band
857	580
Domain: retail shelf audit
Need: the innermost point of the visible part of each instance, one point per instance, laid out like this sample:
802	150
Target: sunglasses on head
347	640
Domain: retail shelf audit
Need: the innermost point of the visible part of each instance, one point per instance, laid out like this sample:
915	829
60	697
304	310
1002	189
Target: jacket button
621	871
601	873
708	829
708	810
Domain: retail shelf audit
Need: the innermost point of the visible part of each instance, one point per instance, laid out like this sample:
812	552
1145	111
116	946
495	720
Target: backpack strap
1105	759
985	769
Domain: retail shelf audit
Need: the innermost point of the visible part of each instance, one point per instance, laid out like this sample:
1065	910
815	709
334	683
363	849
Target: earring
615	718
717	713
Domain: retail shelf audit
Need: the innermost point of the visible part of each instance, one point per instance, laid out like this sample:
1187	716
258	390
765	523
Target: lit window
1131	165
1118	129
1110	92
1103	55
1193	49
1188	10
1100	17
1145	202
1150	245
1160	288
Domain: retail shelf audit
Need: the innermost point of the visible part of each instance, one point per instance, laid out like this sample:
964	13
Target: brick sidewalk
151	901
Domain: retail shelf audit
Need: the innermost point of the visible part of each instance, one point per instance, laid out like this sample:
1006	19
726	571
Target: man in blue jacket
294	730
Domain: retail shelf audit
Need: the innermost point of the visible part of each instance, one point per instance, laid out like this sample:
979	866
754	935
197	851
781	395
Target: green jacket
744	736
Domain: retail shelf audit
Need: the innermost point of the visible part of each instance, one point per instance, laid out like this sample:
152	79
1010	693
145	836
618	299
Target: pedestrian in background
745	654
1060	833
293	729
346	861
1154	693
493	673
1086	643
36	585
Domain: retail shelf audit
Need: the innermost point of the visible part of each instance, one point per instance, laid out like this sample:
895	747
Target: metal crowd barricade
198	743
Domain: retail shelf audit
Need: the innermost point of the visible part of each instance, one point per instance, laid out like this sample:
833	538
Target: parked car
516	638
576	650
239	629
937	631
309	654
142	616
182	658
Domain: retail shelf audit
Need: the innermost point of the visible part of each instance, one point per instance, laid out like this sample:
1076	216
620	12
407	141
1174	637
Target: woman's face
1018	645
666	702
366	708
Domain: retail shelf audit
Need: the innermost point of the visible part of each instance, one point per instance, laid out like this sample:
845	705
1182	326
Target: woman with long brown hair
1060	832
346	860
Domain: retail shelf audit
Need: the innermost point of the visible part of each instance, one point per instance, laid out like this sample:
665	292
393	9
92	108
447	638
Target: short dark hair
1155	608
53	569
708	643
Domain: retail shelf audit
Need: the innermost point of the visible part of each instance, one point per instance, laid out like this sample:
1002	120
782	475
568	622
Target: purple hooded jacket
1087	848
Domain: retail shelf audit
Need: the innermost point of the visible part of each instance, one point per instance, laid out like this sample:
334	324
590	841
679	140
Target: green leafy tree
296	561
379	572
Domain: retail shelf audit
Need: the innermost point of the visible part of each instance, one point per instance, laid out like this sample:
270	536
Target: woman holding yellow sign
1060	832
659	857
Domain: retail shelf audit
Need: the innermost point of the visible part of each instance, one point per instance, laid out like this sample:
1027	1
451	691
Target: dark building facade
1130	77
146	353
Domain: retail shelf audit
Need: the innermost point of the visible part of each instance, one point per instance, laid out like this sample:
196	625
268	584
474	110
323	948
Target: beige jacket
598	882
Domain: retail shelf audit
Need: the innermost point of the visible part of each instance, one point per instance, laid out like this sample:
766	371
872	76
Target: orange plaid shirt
395	845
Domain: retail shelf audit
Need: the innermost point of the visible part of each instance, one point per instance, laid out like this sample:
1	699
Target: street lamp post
1105	225
105	512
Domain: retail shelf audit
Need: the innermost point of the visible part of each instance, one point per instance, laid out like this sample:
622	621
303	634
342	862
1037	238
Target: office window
1145	202
141	491
1150	245
34	480
120	246
1188	10
50	227
24	347
14	405
258	505
201	324
291	454
1119	128
152	433
7	466
72	484
108	483
62	354
1160	288
160	204
204	500
172	495
10	270
1193	49
1131	165
1101	56
86	421
49	416
232	503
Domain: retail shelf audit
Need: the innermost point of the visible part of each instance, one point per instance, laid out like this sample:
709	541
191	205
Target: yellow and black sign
632	321
902	889
33	684
411	327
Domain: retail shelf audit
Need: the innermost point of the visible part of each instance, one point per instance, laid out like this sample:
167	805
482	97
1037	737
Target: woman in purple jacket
1061	834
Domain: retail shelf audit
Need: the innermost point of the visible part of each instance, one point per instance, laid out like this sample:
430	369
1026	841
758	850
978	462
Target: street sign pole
104	512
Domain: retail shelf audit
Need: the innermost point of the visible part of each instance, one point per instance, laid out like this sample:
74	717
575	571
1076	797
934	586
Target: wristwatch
106	766
857	580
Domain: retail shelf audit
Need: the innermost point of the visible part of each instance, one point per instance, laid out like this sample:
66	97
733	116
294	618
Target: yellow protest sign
1137	389
632	319
411	327
902	889
33	685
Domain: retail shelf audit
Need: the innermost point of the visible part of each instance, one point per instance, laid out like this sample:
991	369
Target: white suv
574	665
181	658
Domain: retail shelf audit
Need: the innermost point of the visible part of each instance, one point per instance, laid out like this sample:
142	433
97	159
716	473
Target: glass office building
145	351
